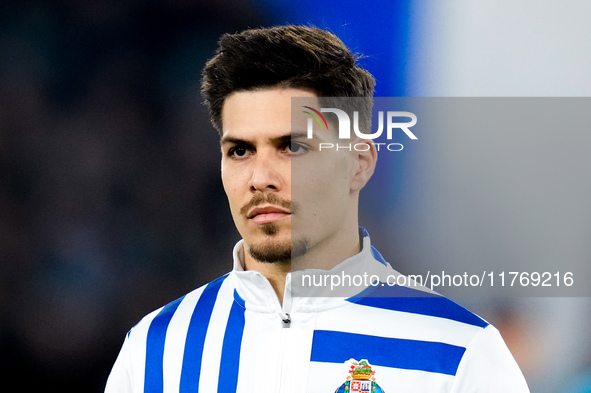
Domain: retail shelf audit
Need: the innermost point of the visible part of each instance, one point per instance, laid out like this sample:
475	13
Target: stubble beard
273	251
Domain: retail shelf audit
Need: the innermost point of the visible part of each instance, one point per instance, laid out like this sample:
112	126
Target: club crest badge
361	378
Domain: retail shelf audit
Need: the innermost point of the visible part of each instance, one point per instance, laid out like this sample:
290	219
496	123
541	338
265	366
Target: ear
364	163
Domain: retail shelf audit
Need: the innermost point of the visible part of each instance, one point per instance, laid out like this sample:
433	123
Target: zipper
281	379
286	333
286	319
287	303
284	314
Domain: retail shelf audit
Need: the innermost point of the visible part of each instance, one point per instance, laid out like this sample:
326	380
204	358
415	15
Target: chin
277	249
270	229
272	251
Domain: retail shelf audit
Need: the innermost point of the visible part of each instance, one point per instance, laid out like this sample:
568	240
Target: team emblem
361	378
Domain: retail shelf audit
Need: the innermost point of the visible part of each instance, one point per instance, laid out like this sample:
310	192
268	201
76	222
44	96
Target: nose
266	174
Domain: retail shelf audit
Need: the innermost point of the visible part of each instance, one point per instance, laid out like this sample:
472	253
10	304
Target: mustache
271	199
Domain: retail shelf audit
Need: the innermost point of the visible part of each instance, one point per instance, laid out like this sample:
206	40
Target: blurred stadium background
110	199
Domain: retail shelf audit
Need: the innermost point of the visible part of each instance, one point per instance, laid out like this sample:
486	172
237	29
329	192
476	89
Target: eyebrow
295	135
229	139
282	138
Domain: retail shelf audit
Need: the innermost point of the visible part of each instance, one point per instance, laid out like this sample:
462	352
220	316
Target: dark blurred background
110	199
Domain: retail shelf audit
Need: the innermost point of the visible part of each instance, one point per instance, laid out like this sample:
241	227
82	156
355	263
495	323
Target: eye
238	151
295	148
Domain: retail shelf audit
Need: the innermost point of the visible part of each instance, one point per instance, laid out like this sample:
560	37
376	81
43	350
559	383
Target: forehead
259	112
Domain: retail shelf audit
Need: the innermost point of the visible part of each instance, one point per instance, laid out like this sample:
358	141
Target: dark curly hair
290	56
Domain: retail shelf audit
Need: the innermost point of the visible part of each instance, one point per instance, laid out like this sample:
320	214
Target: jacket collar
310	290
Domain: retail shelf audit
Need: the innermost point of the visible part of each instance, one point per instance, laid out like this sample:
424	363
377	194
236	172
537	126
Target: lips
267	214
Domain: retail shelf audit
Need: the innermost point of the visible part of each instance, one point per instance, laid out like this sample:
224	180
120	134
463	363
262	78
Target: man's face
286	197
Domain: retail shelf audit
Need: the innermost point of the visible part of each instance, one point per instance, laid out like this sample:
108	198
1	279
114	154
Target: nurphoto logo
392	123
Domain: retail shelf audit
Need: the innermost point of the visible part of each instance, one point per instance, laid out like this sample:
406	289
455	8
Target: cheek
230	187
227	184
230	174
323	177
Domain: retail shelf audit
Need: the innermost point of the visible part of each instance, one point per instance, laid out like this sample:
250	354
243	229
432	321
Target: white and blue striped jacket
232	335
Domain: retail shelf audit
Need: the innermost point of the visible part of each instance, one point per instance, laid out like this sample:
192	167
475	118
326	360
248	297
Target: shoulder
175	312
417	301
487	362
410	314
458	342
427	332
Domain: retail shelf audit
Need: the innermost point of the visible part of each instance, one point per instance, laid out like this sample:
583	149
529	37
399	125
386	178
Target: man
296	209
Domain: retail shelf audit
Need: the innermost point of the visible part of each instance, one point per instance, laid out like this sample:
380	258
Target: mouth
267	214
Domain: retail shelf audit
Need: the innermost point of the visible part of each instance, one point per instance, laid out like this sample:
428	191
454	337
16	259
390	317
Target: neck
329	252
275	272
324	255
